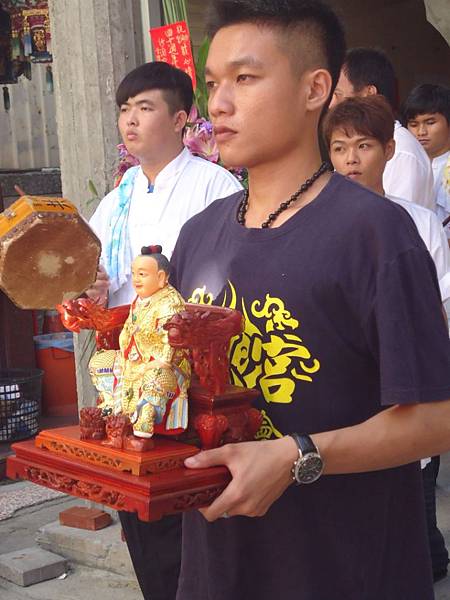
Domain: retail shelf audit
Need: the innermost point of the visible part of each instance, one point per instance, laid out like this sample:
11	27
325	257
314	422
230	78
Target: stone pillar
94	44
438	14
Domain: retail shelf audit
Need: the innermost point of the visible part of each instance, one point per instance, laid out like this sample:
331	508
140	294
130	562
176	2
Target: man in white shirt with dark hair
426	114
408	173
153	200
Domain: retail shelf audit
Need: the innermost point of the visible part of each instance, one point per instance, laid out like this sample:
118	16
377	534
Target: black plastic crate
20	403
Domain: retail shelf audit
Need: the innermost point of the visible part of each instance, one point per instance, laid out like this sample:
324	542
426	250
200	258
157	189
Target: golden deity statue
146	379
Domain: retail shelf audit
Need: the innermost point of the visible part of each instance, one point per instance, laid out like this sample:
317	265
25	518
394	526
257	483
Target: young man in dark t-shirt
344	337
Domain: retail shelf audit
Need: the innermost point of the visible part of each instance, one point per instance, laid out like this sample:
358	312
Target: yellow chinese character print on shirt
269	354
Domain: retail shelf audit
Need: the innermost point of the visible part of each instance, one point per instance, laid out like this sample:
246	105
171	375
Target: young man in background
359	136
426	114
408	175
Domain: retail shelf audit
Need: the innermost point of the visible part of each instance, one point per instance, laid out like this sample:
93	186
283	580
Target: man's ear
318	89
389	149
369	90
162	279
179	120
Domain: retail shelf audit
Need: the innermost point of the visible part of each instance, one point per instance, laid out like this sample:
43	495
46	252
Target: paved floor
81	583
23	494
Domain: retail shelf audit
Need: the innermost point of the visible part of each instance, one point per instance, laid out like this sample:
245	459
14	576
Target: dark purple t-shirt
343	318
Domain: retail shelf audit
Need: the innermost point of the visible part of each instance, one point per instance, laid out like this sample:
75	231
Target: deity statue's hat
156	253
146	250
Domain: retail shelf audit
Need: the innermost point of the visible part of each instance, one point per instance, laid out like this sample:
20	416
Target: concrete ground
84	582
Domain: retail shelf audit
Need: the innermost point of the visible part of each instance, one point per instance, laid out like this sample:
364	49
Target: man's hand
99	289
261	472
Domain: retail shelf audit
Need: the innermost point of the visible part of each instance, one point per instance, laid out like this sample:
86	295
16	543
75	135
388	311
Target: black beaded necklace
243	206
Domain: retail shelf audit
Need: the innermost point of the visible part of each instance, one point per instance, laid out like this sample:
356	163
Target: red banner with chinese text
172	45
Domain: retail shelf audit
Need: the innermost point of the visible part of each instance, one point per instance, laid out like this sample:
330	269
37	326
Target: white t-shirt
441	193
408	174
433	235
185	186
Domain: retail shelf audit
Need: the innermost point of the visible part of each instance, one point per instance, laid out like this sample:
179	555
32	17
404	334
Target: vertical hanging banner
172	44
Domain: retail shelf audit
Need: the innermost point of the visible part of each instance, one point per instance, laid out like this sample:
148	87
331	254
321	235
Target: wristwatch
309	465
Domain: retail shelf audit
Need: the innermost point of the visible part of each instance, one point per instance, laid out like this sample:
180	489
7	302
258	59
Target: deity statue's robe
146	379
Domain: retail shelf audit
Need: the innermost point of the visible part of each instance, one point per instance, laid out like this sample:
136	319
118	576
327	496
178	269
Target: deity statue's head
150	271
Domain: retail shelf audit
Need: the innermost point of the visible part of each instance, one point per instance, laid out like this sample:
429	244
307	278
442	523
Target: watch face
308	468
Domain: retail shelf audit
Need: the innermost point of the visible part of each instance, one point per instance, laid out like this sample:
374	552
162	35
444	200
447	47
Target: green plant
174	11
93	190
201	93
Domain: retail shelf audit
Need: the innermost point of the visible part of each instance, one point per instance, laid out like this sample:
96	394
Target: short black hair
313	18
175	85
371	66
424	99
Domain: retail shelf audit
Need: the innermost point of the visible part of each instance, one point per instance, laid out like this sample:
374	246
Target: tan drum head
48	253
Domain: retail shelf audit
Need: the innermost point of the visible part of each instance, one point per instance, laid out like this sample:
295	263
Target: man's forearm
394	437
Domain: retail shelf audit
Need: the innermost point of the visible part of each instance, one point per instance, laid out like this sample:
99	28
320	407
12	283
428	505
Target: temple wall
28	138
418	51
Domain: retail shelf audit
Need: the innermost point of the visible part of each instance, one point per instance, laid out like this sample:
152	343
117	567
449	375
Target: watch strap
304	443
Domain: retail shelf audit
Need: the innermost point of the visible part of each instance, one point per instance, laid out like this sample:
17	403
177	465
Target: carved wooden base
222	418
166	454
151	496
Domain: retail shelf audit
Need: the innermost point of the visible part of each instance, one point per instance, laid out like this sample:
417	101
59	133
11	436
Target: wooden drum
48	253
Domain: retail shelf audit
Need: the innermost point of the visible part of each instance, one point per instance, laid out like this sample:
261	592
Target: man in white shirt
154	200
149	207
408	174
359	135
426	114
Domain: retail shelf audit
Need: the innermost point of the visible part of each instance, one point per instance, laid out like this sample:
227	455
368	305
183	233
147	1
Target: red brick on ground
85	518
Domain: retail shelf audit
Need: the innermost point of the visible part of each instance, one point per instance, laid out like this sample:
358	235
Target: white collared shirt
433	235
185	186
408	174
441	194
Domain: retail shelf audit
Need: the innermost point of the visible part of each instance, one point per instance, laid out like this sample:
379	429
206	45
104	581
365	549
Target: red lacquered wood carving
74	487
166	454
210	429
84	313
206	331
151	496
107	466
92	424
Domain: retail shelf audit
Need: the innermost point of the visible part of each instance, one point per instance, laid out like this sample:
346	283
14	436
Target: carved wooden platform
165	456
150	496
